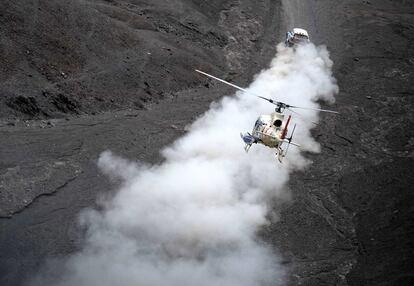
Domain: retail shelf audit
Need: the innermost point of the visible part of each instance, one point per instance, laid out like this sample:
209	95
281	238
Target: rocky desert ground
84	76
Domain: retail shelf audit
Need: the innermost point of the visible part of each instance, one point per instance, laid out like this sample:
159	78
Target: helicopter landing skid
247	147
248	139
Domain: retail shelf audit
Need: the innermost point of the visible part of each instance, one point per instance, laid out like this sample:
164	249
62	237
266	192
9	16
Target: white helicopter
270	130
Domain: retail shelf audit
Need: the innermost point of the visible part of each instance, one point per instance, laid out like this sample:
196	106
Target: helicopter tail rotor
289	141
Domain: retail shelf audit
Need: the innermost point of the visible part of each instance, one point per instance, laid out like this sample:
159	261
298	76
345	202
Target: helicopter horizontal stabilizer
290	142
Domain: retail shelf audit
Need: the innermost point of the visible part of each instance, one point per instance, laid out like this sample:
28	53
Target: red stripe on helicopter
284	132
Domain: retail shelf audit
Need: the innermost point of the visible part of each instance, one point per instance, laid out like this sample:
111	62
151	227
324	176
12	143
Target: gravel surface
81	77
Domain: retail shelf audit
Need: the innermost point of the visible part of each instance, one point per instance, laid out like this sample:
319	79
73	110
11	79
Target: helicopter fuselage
269	129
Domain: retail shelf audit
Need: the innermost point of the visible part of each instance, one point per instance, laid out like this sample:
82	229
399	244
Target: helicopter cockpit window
277	123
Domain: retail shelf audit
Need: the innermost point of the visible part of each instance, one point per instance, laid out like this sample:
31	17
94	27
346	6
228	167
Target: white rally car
297	36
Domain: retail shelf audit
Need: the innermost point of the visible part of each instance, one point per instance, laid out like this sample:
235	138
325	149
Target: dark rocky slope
84	57
75	76
70	60
81	77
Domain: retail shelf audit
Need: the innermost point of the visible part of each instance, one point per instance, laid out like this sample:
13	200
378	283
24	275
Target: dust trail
193	219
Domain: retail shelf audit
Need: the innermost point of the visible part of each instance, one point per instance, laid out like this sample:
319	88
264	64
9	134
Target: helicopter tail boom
284	132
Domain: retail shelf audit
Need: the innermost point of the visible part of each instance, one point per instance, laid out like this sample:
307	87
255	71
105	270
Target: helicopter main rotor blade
233	85
297	113
316	109
301	116
267	99
277	103
221	80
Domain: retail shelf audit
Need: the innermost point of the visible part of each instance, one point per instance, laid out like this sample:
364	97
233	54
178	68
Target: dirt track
351	219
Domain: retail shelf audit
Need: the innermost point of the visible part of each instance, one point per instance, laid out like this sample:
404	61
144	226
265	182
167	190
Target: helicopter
270	130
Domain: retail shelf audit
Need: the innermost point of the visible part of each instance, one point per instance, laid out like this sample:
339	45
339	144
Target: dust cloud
193	219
